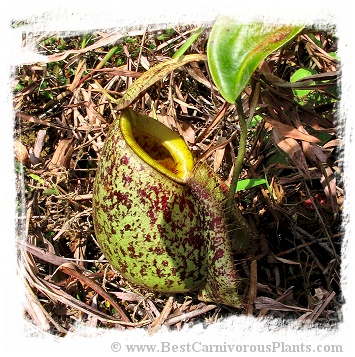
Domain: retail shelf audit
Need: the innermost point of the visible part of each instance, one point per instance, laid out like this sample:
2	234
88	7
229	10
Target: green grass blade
188	43
249	183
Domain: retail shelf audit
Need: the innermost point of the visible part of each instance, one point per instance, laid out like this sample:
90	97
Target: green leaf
315	40
311	97
18	87
249	183
255	121
188	43
298	75
149	77
51	191
37	178
334	55
235	50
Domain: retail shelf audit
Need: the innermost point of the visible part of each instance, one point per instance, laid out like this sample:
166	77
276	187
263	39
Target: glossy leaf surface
250	183
235	50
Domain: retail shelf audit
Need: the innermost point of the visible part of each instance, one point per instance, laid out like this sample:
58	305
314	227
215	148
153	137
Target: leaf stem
240	156
101	64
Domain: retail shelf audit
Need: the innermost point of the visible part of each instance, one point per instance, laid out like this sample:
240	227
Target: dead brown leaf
333	143
206	132
94	117
167	120
188	132
35	154
127	296
35	309
21	153
315	154
186	316
253	285
32	119
319	309
62	155
286	261
288	131
292	148
329	184
80	69
219	154
195	72
163	315
264	302
89	282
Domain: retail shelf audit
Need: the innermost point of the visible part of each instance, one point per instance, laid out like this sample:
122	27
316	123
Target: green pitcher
158	216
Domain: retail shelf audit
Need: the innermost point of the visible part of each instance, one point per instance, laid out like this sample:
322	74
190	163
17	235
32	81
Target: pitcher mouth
157	145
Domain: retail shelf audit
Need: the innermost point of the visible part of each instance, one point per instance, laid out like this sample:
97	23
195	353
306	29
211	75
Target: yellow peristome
176	162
